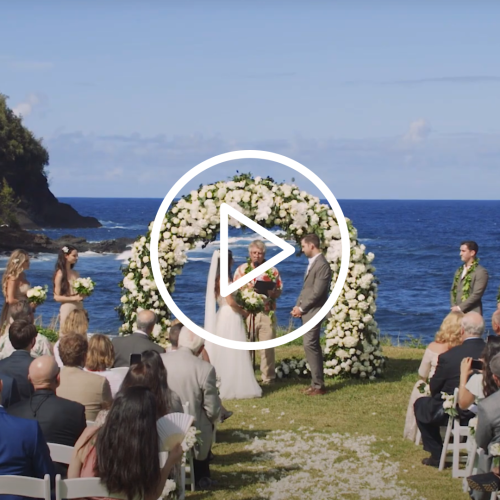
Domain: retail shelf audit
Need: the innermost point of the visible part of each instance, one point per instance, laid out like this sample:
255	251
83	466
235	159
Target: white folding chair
457	431
418	437
90	423
82	488
25	486
190	479
60	453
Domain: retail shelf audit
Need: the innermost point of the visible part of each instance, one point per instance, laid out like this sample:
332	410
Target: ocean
416	246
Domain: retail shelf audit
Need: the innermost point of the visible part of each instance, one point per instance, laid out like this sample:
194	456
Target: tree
22	156
8	203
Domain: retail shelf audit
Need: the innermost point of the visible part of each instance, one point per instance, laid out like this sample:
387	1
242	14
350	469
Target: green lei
467	281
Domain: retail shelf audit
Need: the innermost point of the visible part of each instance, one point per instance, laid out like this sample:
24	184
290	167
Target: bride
233	366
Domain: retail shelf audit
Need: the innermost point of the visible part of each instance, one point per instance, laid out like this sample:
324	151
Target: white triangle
287	249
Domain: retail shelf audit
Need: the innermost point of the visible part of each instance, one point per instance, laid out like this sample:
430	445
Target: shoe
205	483
268	382
226	415
431	461
315	392
484	482
307	390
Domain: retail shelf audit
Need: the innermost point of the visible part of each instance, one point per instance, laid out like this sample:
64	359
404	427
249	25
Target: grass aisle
345	445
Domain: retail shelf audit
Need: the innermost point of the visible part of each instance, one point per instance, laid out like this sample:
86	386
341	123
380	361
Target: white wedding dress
232	366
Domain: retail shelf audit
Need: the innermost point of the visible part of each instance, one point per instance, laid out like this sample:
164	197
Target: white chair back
60	453
25	486
83	487
90	423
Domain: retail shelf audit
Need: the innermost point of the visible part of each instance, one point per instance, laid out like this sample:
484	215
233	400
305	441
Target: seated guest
193	380
91	390
62	421
488	431
137	342
495	322
100	358
448	336
429	411
480	385
9	395
77	322
124	451
22	336
23	310
23	449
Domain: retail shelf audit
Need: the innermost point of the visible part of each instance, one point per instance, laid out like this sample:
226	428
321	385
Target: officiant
270	284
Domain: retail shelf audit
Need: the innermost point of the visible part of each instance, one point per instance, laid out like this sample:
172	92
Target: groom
313	296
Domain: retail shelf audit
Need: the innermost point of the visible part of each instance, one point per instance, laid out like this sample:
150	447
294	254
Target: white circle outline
239	155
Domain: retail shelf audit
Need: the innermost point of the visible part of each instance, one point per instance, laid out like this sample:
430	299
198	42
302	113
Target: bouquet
191	439
423	388
292	367
170	490
495	453
449	405
37	295
83	286
250	300
472	426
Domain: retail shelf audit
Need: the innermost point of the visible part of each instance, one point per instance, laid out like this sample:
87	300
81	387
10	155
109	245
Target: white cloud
419	131
25	107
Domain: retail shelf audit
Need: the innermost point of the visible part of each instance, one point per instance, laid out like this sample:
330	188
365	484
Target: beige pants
265	329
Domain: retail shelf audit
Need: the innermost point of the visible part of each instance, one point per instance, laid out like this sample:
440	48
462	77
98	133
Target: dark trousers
201	469
431	435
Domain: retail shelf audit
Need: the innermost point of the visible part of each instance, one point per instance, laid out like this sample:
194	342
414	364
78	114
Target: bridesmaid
64	276
14	284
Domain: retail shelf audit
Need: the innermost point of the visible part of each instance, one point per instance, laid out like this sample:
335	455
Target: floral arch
351	332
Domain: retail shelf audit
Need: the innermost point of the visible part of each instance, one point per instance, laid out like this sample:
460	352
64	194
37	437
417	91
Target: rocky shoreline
11	238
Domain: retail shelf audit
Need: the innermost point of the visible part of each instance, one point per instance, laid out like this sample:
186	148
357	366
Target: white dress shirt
311	260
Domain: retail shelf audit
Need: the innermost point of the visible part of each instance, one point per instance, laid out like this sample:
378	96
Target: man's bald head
495	321
44	373
146	321
472	325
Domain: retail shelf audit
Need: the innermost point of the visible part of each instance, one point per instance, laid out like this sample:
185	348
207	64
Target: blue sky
380	99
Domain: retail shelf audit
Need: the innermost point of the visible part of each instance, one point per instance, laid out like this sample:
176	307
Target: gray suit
193	380
136	343
487	432
478	284
313	296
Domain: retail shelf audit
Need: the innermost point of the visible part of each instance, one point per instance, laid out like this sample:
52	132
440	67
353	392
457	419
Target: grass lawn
347	444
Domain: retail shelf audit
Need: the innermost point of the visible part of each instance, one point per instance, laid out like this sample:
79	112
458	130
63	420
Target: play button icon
287	249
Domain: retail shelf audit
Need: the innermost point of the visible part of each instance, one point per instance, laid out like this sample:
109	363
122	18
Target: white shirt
311	260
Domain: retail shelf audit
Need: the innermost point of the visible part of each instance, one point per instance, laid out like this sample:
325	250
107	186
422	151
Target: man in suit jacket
193	380
22	335
429	410
9	395
61	420
312	298
89	389
468	300
23	450
488	425
138	342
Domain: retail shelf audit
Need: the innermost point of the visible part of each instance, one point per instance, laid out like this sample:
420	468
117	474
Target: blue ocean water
416	247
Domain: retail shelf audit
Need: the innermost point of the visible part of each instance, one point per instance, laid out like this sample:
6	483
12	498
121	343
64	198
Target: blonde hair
14	267
76	322
101	354
450	331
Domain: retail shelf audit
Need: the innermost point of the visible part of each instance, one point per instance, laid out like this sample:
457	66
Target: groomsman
470	281
265	322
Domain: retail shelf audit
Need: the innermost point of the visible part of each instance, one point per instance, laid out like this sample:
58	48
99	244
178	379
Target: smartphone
477	364
135	358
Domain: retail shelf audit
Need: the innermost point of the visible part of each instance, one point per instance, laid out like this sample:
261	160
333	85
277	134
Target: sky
382	100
